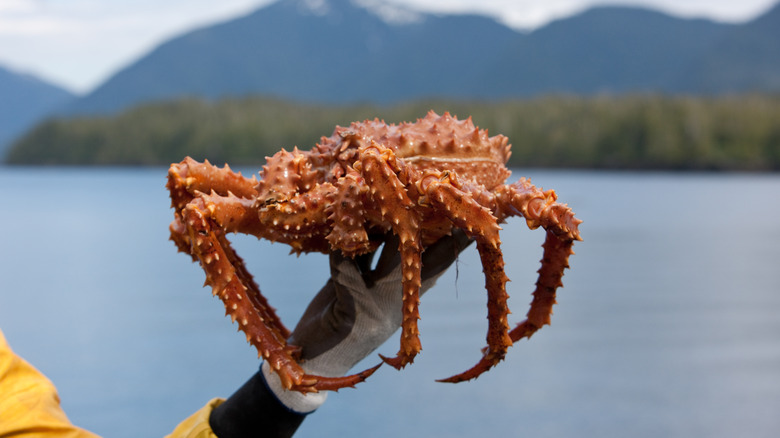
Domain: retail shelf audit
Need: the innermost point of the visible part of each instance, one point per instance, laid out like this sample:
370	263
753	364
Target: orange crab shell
437	143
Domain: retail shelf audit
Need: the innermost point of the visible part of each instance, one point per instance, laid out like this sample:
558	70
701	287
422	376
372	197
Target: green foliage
616	132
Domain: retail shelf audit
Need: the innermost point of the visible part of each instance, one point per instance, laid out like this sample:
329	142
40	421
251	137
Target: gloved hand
356	312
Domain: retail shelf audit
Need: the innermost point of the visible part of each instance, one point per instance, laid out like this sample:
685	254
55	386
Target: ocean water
668	324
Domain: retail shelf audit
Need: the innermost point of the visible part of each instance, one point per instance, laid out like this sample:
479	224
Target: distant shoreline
628	132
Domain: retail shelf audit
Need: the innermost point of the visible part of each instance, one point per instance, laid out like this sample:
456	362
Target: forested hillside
627	132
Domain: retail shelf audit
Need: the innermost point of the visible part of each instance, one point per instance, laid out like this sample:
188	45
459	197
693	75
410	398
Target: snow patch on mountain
387	12
314	7
390	13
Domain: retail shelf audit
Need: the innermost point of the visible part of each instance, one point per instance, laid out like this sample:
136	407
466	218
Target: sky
78	44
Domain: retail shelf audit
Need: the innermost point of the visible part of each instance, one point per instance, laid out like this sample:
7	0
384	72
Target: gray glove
356	312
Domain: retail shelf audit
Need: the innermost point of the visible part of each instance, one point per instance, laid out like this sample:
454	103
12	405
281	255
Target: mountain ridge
25	100
343	51
351	51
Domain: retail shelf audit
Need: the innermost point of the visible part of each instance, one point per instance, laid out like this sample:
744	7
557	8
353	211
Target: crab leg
479	224
347	214
205	220
539	208
232	214
294	221
554	260
227	277
187	178
380	169
298	221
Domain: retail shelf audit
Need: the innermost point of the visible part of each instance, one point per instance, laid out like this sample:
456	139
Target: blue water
668	325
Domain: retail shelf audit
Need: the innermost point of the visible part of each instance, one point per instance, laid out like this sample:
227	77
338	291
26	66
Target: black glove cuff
254	410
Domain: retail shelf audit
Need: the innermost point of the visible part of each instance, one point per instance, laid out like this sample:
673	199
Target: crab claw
312	383
483	365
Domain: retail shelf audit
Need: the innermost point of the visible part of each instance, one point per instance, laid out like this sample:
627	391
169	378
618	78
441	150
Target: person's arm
29	404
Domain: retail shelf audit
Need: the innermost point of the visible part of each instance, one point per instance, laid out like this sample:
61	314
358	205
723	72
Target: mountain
339	51
746	58
25	100
333	51
608	49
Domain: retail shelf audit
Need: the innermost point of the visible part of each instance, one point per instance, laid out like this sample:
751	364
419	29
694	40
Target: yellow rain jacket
30	406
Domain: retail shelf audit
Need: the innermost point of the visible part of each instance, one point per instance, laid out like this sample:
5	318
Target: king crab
417	180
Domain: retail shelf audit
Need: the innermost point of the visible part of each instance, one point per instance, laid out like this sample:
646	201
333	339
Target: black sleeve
254	411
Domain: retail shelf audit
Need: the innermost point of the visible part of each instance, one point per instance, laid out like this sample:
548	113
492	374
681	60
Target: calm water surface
669	323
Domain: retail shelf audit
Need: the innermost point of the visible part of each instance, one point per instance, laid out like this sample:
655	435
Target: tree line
739	132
